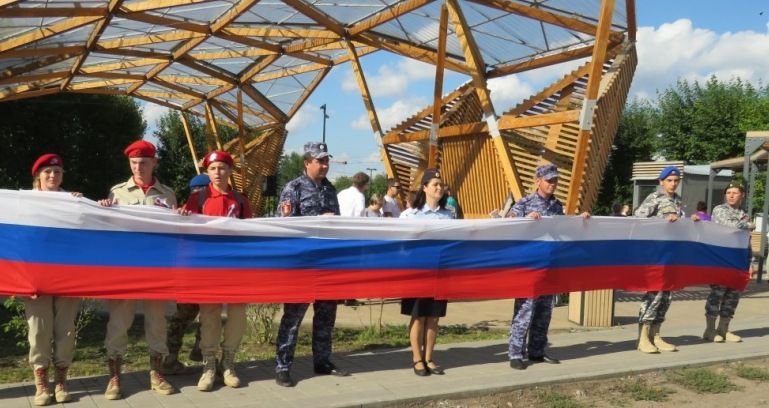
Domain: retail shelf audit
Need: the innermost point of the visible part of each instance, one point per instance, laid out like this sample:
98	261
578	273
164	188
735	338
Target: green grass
638	390
752	373
702	381
554	399
90	351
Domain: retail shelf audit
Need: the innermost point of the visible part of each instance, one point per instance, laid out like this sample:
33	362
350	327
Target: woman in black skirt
430	202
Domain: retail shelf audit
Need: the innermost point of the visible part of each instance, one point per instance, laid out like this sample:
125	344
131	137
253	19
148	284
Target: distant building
694	183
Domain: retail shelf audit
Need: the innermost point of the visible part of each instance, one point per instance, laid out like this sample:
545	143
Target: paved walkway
384	377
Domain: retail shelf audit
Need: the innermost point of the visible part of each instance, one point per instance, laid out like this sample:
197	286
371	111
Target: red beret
140	148
49	159
218	155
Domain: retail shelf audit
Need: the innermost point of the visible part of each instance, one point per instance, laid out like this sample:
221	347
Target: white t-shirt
391	206
352	203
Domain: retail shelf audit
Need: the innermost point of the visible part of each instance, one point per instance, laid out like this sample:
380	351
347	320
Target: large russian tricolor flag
52	243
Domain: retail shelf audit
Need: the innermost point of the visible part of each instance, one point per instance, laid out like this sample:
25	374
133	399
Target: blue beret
201	180
669	171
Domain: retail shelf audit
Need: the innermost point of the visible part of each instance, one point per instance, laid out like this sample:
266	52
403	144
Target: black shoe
544	359
424	372
437	370
328	368
283	378
517	364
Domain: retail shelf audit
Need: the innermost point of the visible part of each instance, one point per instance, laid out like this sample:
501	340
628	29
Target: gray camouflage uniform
302	197
658	204
722	300
532	316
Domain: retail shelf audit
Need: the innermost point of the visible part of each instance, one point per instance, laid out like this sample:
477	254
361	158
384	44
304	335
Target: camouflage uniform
532	316
722	300
177	325
302	197
658	204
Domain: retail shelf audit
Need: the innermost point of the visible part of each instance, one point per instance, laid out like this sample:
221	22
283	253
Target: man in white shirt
352	203
391	208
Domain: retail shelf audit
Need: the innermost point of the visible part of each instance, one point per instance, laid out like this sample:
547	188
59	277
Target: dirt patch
655	389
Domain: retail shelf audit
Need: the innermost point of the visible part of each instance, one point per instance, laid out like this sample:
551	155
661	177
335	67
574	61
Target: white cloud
508	91
304	117
396	113
152	112
679	51
392	79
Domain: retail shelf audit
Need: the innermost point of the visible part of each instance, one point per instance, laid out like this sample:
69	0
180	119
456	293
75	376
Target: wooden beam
432	158
473	57
410	51
540	14
388	14
232	14
368	101
122	65
211	131
46	32
150	39
241	140
307	92
46	12
188	133
158	4
265	103
39	52
205	69
631	20
508	122
591	94
13	94
59	75
34	65
173	23
569	55
288	72
283	32
316	15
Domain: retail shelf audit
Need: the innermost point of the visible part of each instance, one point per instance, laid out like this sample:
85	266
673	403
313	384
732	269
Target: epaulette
117	186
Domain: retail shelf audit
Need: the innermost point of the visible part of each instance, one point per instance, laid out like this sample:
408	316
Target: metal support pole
323	108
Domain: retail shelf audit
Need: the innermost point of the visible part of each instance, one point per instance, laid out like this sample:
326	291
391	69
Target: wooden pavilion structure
251	64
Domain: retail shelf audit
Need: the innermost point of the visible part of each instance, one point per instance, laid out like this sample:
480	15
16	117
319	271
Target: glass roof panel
350	11
274	13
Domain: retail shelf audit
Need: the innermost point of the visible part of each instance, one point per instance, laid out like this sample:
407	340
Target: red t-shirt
218	204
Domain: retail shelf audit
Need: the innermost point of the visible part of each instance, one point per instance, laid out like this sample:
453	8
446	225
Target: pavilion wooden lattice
251	64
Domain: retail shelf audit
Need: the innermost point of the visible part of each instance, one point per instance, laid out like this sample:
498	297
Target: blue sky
676	39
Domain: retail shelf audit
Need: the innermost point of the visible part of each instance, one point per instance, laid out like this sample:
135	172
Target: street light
323	108
370	172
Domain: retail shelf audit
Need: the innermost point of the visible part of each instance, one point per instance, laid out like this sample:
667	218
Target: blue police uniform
532	316
302	197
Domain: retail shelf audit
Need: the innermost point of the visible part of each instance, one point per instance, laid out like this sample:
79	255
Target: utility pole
370	173
323	108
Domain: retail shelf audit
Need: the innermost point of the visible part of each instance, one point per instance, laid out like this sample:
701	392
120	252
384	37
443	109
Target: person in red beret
141	189
219	199
51	319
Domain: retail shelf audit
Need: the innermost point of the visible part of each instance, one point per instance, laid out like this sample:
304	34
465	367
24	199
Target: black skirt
423	307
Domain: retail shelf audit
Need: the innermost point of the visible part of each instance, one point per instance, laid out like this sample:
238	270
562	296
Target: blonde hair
376	198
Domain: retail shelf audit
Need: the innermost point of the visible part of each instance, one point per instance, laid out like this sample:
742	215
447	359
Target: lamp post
323	108
370	172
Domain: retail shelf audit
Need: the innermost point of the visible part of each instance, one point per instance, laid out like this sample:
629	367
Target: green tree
89	132
290	167
175	165
634	142
701	123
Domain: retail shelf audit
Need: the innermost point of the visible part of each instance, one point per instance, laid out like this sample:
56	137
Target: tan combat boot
228	369
723	333
42	397
60	385
157	382
644	344
710	329
113	387
662	345
206	382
